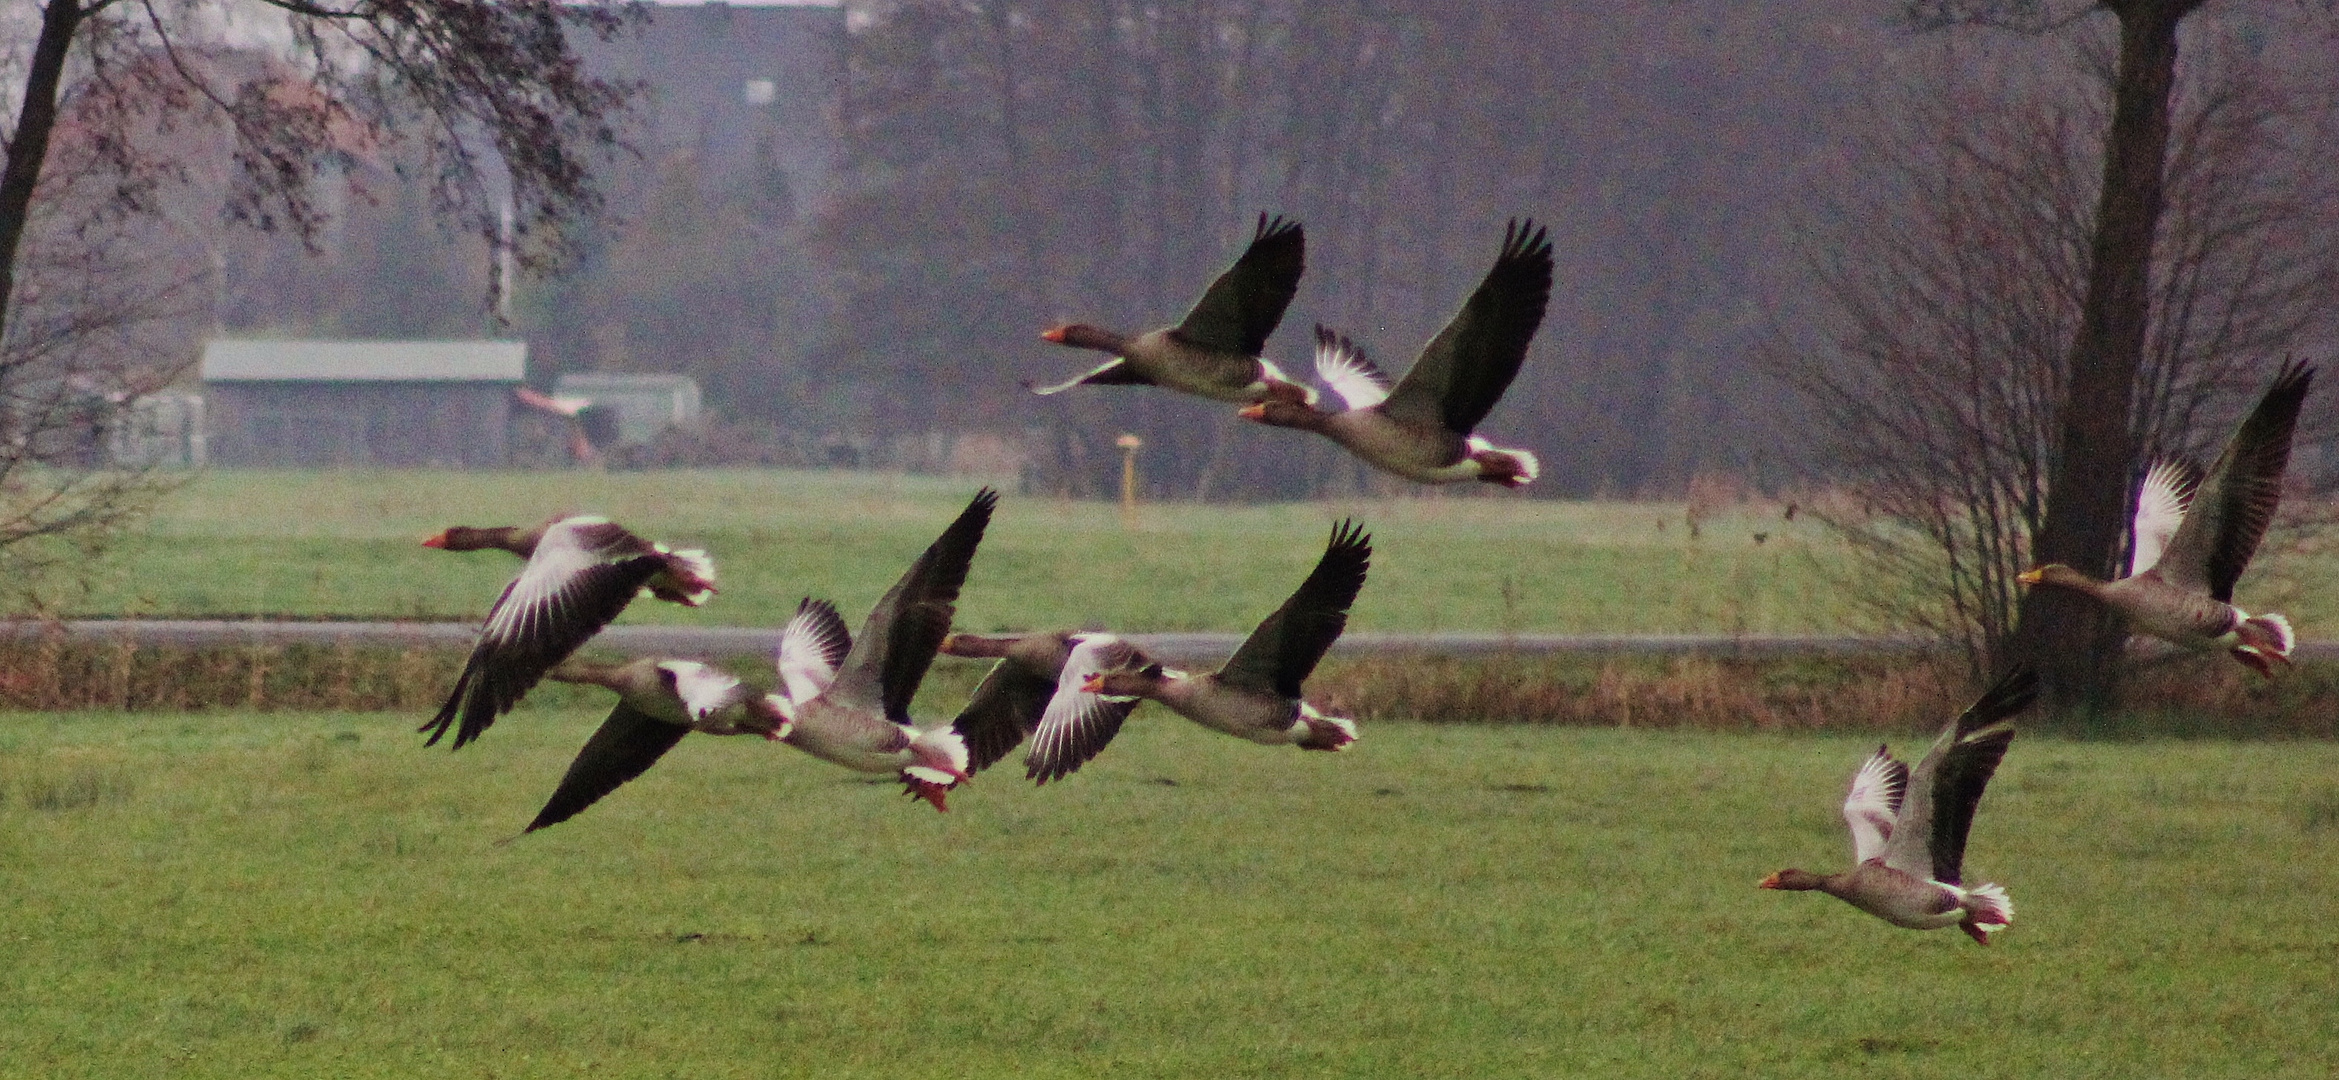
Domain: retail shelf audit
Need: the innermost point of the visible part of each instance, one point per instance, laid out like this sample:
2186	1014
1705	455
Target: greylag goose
658	702
1255	696
1215	351
1422	428
1909	828
1012	700
582	571
855	712
2193	542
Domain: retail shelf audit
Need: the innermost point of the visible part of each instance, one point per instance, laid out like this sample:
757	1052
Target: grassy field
348	543
229	895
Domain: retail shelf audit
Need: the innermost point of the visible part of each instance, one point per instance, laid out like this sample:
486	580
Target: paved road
748	640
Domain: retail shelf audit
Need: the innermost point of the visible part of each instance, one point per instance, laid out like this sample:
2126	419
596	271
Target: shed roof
365	361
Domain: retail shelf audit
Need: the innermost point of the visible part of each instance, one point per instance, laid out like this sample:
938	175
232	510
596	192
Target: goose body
658	702
1423	426
1245	713
2192	541
1214	351
1255	695
1909	827
581	572
854	711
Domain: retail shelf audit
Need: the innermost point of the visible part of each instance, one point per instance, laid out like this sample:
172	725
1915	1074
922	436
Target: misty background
850	224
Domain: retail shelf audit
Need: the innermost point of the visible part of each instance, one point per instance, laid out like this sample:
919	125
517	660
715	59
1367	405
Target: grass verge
289	895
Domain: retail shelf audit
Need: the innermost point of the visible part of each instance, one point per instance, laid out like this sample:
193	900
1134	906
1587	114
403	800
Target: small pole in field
1128	443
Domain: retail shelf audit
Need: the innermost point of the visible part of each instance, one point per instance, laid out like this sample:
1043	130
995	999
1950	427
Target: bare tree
1956	274
138	123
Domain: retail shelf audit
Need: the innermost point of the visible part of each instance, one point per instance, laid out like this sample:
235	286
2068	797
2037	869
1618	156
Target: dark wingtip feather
1276	228
438	725
829	633
1524	239
1351	550
2013	692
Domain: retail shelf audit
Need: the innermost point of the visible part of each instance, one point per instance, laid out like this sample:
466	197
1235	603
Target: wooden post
1128	444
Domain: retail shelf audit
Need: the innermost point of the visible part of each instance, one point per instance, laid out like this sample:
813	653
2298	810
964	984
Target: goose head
1794	880
1083	336
2056	574
1280	412
1144	682
469	538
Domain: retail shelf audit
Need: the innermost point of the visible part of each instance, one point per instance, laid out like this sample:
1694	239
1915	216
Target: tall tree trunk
2062	632
35	120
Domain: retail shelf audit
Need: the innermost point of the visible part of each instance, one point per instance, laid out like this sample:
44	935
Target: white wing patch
1874	803
1343	367
1072	712
704	691
535	595
2160	508
812	646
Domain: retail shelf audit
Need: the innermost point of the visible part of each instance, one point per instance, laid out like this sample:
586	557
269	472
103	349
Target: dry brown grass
1698	692
2192	697
53	673
2189	697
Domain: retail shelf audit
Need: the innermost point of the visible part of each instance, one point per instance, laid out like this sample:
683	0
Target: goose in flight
2193	540
1255	695
1909	826
854	710
1214	352
658	702
1013	700
581	572
1423	427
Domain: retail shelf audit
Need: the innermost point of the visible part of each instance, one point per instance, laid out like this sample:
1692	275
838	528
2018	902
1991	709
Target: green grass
249	896
348	543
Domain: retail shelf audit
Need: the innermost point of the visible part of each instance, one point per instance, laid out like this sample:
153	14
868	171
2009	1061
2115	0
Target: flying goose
2192	542
658	702
581	572
1215	351
1256	695
1909	828
1012	700
855	711
1422	428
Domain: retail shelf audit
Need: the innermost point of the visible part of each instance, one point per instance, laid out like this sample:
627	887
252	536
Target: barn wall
350	424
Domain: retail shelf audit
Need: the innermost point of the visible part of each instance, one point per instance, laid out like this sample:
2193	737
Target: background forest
1712	173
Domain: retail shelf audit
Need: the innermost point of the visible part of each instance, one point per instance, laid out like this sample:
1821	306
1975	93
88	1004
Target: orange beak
1056	335
438	541
1771	882
1253	412
2030	577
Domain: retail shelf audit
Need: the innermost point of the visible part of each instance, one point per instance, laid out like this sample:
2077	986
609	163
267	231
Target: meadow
245	895
348	544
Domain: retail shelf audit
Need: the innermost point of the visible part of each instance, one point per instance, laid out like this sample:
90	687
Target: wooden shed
362	403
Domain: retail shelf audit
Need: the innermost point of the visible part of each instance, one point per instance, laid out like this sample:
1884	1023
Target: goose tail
1987	910
2265	640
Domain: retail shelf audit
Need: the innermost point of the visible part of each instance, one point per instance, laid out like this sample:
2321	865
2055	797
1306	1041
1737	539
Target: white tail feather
1314	724
1533	468
1529	467
942	751
694	560
1989	907
2283	637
